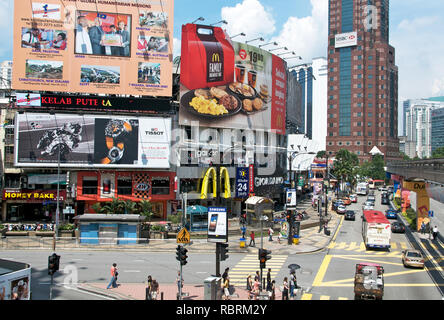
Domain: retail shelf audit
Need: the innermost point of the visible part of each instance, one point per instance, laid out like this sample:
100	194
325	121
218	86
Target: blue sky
416	32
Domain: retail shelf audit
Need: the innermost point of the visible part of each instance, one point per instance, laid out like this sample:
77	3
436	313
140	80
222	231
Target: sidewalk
310	241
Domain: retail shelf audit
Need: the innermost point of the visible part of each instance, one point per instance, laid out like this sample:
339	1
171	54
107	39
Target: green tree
129	207
345	165
146	209
115	206
438	153
321	154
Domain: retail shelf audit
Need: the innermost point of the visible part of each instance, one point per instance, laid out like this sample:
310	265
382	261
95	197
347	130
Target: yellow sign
183	236
212	172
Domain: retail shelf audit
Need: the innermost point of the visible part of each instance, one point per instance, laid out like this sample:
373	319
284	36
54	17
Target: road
335	276
325	275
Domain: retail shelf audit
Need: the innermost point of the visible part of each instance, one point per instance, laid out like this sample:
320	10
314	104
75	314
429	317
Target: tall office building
313	80
362	79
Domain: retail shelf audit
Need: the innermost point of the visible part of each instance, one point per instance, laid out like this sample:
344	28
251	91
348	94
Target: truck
362	189
15	280
369	281
376	229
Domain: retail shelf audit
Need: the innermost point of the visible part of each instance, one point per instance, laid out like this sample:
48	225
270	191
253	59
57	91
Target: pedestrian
149	288
114	275
293	283
257	276
252	239
225	274
269	280
244	230
256	288
179	281
155	290
226	288
285	289
435	232
273	290
249	286
422	228
270	234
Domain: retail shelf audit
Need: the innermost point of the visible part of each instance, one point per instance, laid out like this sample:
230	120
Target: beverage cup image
240	73
252	76
106	186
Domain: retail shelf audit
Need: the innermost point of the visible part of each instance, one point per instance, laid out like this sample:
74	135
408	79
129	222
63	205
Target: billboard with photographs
97	141
229	84
96	46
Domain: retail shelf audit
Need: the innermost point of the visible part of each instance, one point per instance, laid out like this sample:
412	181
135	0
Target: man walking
114	274
252	239
270	234
293	283
435	232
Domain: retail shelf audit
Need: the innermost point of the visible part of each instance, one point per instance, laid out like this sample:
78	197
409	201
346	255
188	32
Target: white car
341	209
368	207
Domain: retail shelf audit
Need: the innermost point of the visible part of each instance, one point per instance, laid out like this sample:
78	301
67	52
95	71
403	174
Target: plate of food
211	103
251	106
242	90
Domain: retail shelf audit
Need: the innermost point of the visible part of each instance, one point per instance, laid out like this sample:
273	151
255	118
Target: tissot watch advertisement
217	224
98	141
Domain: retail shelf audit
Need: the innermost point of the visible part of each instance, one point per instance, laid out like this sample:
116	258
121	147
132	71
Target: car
371	198
368	205
391	214
390	189
353	198
412	258
336	204
349	215
397	227
385	200
382	188
346	201
341	209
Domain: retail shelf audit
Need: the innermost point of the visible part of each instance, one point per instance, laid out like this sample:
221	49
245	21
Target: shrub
66	226
158	228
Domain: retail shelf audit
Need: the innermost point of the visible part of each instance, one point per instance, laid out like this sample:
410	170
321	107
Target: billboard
91	140
95	46
228	84
346	39
217	224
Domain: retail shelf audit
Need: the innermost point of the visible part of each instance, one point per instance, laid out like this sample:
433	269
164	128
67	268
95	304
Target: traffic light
264	255
53	263
289	215
178	253
223	251
183	256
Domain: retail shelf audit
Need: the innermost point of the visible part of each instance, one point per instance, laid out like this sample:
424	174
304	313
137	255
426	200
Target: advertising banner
242	182
228	84
95	46
217	224
93	103
16	285
346	39
97	141
291	198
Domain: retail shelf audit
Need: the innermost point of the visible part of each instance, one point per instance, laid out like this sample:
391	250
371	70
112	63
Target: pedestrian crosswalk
250	264
395	248
312	296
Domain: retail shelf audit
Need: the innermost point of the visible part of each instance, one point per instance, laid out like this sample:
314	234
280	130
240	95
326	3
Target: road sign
183	236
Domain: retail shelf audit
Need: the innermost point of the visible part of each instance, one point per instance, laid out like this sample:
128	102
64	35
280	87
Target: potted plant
145	210
66	230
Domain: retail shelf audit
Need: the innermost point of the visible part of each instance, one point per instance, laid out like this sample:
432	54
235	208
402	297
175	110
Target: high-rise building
313	80
418	126
362	88
437	140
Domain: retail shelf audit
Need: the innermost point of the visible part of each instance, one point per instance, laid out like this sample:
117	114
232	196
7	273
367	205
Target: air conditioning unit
31	186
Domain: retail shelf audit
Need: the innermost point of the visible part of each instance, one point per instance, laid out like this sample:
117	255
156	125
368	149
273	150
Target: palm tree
145	209
115	206
129	207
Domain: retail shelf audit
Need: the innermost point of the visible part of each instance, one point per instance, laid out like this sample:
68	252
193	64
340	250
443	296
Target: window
124	185
370	114
370	67
9	149
370	86
370	57
370	76
369	124
359	76
160	185
89	185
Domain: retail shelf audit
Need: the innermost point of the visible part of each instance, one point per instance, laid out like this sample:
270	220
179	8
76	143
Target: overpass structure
425	177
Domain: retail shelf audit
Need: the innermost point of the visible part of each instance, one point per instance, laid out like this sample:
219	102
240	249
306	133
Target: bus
376	230
375	184
362	188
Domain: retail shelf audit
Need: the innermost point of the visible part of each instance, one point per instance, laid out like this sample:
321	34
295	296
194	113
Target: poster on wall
242	182
217	224
230	84
95	46
98	141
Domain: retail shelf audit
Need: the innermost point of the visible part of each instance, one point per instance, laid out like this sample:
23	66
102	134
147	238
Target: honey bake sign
229	84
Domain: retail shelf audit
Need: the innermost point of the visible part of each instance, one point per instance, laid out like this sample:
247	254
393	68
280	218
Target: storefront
30	205
103	186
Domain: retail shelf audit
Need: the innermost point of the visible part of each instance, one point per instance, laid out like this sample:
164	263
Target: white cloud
307	36
250	17
419	47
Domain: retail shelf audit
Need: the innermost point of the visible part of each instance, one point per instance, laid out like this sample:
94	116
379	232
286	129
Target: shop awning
196	209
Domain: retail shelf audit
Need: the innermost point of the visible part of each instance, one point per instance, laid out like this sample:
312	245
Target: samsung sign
346	39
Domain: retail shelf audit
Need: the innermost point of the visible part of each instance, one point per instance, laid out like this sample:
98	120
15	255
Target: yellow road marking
352	246
306	296
322	270
342	298
394	245
325	298
403	245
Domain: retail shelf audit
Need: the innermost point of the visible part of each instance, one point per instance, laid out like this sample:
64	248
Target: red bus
376	229
374	184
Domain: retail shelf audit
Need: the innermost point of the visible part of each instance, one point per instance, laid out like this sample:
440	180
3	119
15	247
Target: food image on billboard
100	74
34	38
230	84
40	69
101	33
149	73
94	33
97	141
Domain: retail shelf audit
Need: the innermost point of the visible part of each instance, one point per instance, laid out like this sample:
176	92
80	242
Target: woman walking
285	289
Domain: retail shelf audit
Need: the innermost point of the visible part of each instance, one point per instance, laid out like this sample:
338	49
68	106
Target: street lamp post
222	21
260	39
239	34
198	19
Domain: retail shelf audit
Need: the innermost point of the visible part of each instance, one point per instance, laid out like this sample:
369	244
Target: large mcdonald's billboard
227	84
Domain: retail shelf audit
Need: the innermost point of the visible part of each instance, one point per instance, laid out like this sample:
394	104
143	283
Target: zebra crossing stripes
313	296
250	264
360	247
